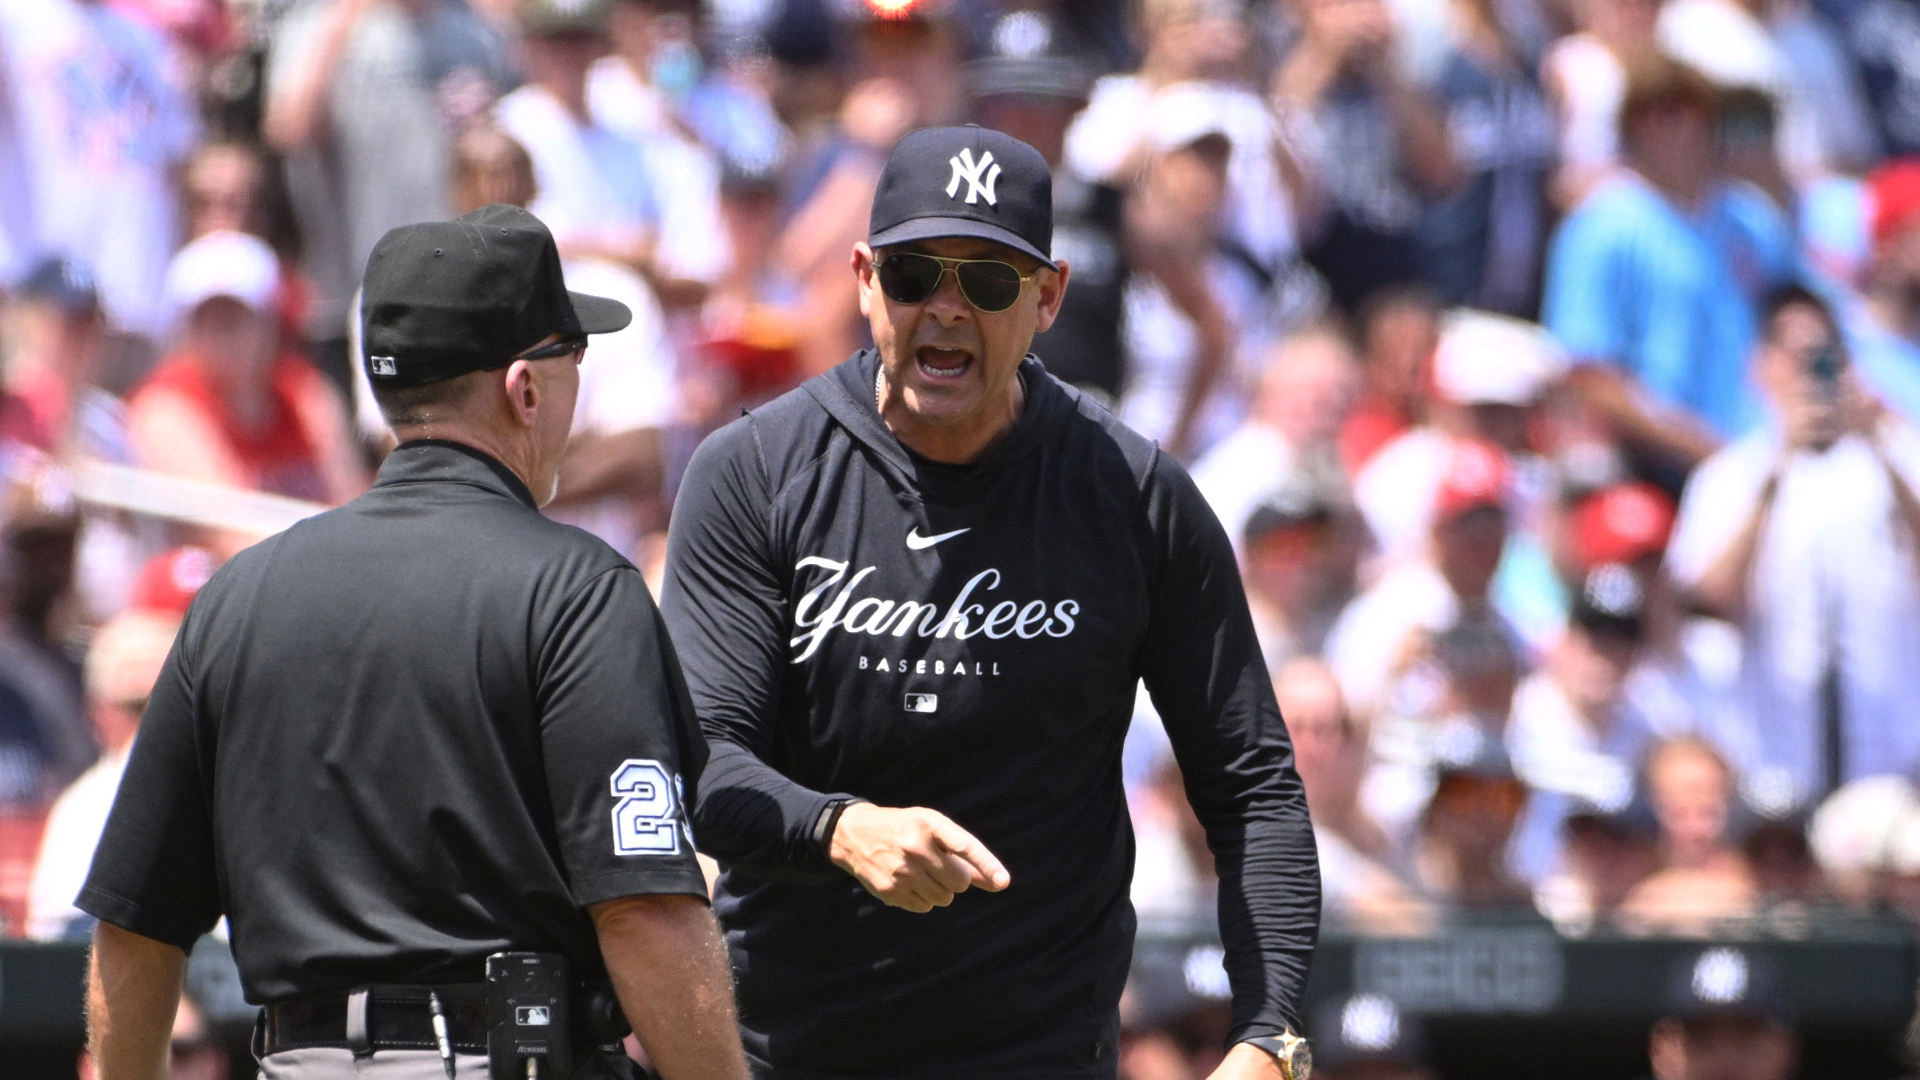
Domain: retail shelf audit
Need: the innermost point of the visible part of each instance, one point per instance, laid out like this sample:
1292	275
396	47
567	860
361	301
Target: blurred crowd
1553	365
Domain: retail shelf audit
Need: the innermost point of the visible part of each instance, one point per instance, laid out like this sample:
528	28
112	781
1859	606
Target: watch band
1289	1052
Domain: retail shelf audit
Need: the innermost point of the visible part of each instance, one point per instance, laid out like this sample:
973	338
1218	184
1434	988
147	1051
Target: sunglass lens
907	278
990	285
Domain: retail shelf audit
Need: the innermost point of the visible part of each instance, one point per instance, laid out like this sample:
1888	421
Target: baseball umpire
914	598
429	752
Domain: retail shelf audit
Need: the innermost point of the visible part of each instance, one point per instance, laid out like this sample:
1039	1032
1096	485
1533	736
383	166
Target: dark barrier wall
1520	1002
1503	1001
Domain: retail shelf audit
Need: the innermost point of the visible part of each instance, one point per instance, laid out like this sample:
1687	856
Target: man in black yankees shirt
913	599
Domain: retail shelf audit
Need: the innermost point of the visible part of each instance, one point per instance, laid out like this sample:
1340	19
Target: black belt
376	1018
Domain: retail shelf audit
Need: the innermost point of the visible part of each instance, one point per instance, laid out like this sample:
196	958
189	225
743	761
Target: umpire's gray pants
338	1063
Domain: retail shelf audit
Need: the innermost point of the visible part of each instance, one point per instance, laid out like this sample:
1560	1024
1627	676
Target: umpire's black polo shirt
424	727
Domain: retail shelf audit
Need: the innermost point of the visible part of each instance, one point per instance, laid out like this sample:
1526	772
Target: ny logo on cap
1370	1022
980	179
1720	976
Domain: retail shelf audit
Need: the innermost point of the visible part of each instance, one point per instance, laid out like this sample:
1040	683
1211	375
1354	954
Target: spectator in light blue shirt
1654	281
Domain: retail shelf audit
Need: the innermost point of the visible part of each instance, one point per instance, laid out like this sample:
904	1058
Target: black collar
439	461
846	392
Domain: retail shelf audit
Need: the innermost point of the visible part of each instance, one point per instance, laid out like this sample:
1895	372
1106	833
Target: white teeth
943	372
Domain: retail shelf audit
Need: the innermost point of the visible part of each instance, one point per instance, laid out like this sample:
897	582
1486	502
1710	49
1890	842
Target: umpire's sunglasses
563	347
908	277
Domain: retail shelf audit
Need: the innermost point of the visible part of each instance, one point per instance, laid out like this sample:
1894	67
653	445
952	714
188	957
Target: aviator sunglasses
908	277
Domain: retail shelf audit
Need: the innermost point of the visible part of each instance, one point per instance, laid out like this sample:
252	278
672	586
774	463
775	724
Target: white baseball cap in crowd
1870	825
1182	114
1491	359
223	263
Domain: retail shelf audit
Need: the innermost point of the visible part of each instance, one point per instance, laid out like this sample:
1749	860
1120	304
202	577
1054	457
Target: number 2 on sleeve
646	815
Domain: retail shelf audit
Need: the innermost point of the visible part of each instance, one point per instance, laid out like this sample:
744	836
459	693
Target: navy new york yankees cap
965	181
1727	981
444	298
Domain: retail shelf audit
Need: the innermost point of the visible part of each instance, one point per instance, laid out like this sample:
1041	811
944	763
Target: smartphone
1824	368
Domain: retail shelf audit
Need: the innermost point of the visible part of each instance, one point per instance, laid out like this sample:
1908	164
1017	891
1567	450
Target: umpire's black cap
444	298
965	181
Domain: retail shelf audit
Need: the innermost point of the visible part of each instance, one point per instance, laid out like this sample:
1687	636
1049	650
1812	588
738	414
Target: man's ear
523	393
1053	290
862	261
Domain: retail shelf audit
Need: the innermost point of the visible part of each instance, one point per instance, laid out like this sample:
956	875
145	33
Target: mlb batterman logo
981	176
383	365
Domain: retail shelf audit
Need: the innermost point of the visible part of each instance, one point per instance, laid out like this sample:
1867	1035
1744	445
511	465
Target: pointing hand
914	858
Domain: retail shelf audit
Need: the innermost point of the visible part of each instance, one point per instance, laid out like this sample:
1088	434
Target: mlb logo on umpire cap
965	181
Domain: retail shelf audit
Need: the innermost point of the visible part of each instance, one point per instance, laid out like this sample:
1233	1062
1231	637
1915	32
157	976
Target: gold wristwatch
1289	1052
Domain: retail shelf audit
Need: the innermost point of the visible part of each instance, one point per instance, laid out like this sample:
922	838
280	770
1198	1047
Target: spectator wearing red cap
1491	376
1382	630
1684	666
1804	536
1626	523
169	581
1883	323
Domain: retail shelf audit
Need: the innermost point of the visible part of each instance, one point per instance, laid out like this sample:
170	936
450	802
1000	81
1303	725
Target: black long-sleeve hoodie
855	620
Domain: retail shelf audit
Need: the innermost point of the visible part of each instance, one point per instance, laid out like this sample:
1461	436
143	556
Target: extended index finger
985	867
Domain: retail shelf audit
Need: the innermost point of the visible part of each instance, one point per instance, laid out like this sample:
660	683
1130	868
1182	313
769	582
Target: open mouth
938	364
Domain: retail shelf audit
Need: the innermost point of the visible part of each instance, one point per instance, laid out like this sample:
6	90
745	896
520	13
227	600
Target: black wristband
829	818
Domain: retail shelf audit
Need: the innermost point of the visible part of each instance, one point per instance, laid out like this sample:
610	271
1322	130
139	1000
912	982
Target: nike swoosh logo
916	542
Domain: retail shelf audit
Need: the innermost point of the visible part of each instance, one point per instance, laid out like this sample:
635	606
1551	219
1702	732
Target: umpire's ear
523	393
